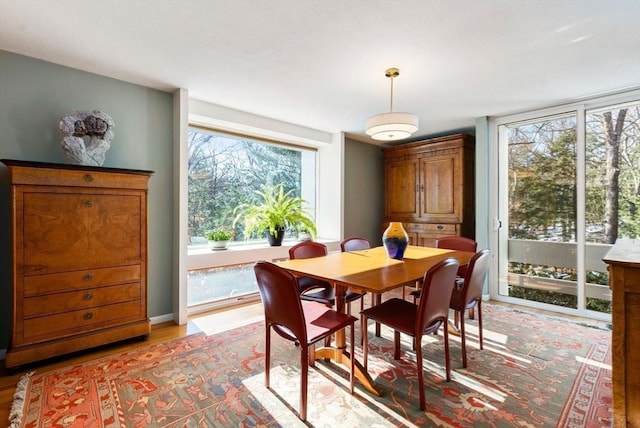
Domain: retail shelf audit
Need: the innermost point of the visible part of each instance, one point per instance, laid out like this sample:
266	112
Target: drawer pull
87	296
440	227
88	178
87	203
87	316
87	277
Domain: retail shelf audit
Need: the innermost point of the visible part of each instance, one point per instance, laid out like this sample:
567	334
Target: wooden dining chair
316	290
418	320
468	295
303	323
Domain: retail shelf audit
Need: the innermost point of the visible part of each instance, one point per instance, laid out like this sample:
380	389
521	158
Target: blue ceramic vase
395	240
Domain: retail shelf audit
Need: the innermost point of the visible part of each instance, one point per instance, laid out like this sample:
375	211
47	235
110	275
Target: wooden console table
624	280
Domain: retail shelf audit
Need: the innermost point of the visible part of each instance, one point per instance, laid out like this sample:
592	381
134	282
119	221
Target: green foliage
219	234
224	171
276	210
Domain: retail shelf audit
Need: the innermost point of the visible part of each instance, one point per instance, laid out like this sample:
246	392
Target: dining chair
469	295
316	290
418	320
303	323
457	243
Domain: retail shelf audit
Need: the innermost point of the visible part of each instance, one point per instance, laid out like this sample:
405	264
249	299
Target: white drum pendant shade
392	126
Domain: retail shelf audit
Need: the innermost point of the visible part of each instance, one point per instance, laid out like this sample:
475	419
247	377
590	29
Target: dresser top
624	252
49	165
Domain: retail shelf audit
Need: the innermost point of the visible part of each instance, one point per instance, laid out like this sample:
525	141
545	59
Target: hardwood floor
210	323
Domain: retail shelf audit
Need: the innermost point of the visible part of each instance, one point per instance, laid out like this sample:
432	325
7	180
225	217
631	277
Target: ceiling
321	64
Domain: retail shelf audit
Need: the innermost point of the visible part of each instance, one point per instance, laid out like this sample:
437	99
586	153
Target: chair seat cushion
322	321
396	313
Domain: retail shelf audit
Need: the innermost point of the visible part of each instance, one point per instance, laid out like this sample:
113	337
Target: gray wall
34	95
364	191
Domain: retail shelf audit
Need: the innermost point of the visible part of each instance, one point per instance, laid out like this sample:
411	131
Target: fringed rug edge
17	406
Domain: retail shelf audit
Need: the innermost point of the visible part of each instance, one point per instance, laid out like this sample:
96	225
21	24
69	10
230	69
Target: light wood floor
209	323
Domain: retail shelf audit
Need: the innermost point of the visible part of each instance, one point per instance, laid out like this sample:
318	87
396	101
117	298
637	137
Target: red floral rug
534	372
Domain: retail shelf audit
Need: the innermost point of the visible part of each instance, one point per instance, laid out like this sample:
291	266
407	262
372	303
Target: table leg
339	353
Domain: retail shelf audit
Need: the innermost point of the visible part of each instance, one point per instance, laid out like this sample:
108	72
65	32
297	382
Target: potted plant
276	211
304	234
218	238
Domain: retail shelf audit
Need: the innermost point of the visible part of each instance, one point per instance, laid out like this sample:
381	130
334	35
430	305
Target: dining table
371	271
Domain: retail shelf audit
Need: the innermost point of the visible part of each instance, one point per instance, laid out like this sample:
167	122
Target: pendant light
392	126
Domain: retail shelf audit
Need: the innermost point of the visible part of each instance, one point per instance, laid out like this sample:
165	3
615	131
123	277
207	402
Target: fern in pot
275	211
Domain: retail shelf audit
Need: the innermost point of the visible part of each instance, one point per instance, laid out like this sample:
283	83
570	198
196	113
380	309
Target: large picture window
226	170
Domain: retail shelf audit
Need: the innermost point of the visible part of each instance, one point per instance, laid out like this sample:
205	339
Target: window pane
225	171
612	191
542	211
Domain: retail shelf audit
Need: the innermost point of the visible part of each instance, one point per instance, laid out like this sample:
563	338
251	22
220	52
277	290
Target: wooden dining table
372	271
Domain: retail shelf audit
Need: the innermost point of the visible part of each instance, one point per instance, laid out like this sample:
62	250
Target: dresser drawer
59	325
79	280
75	300
76	178
441	229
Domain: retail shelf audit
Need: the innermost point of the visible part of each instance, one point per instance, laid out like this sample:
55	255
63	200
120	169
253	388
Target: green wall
363	191
34	95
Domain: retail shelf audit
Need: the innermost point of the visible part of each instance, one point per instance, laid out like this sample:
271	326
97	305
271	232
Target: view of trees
543	189
225	170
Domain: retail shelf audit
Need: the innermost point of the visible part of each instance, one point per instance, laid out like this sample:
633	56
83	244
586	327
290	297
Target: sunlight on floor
593	363
228	319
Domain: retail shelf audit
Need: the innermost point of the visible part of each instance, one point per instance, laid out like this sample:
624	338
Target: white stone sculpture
96	125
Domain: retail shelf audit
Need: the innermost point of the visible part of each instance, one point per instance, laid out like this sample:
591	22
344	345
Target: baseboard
161	318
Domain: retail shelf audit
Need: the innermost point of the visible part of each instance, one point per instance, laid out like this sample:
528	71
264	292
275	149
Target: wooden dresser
429	187
624	279
79	262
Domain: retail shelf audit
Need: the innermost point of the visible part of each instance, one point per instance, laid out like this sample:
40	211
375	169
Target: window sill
202	257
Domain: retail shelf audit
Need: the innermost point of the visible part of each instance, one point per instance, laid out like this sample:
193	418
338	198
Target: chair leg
418	342
447	358
353	359
267	357
480	324
396	342
304	360
471	313
365	340
463	341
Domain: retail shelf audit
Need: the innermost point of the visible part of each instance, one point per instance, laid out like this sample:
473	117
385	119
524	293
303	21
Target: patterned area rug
534	372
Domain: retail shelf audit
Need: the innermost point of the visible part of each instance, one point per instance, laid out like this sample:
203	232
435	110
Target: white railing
557	254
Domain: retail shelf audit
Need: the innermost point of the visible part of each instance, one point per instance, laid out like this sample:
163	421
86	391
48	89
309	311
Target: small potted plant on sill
304	234
218	238
275	211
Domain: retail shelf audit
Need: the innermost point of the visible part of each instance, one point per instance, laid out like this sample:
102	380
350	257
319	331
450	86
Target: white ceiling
321	64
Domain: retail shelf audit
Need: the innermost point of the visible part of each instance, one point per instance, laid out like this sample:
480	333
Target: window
226	170
568	186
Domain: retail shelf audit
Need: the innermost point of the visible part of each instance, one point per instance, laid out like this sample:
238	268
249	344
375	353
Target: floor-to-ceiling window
568	186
